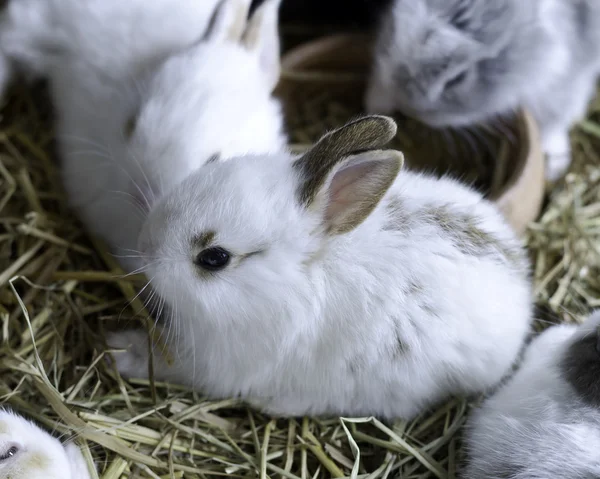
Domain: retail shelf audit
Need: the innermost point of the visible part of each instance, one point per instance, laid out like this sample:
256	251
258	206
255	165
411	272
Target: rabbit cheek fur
317	312
459	62
545	422
28	452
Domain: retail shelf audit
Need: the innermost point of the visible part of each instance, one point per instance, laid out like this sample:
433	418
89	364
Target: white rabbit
132	126
28	452
323	284
545	422
115	37
459	62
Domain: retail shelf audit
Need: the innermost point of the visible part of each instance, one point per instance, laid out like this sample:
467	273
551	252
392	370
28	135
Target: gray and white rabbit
329	284
144	93
545	422
29	452
460	62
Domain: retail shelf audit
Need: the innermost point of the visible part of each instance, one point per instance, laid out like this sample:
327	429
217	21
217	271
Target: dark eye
12	451
456	80
213	259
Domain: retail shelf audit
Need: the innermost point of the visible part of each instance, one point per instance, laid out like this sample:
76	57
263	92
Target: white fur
310	324
543	55
38	455
195	93
536	426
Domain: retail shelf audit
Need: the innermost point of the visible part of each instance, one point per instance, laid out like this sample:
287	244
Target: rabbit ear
262	38
356	188
229	21
344	177
363	134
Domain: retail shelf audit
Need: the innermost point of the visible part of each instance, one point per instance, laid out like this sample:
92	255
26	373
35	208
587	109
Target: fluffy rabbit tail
28	40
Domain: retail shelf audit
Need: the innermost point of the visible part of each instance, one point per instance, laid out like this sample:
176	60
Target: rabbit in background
144	94
460	62
328	284
545	422
28	452
116	38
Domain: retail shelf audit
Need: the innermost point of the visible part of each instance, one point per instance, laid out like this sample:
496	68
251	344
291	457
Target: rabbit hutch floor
59	292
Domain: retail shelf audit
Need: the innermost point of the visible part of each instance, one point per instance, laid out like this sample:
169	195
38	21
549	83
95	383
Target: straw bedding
59	291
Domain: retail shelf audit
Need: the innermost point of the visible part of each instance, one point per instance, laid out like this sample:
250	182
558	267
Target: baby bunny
328	284
459	62
132	125
28	452
545	422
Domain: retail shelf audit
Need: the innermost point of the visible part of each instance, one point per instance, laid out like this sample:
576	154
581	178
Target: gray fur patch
398	219
464	230
581	368
471	239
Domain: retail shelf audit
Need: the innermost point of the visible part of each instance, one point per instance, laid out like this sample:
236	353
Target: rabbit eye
213	259
12	451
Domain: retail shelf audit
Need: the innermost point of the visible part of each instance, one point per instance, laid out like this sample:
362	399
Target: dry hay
59	292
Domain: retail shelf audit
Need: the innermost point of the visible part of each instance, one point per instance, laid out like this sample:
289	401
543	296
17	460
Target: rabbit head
457	62
212	100
28	452
237	239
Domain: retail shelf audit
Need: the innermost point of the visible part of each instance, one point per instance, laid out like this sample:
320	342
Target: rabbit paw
132	358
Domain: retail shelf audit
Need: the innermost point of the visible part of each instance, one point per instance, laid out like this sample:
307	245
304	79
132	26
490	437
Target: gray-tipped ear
355	187
229	21
364	134
262	38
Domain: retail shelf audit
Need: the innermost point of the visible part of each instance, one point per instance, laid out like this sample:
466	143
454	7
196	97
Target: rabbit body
545	422
28	452
122	73
427	297
460	62
116	38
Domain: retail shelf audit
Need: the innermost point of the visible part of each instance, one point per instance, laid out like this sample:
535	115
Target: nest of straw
60	290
